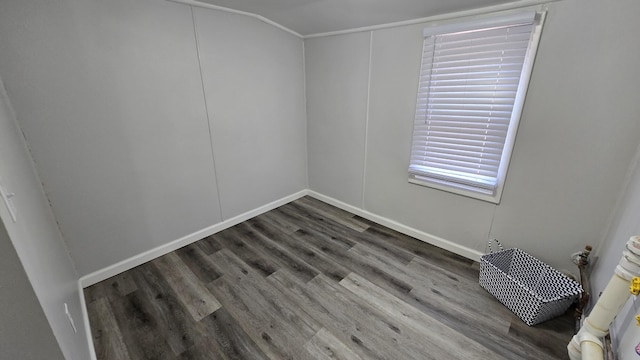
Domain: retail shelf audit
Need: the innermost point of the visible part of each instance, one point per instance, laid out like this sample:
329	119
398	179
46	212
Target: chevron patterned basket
531	289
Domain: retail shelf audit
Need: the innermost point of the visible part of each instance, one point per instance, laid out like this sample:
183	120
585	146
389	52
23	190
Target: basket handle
498	243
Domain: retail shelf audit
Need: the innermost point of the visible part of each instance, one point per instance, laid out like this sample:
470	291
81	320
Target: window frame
479	22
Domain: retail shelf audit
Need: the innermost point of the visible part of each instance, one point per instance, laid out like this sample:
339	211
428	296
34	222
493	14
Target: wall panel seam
206	108
366	121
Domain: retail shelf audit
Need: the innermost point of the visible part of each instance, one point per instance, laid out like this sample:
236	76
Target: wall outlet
66	312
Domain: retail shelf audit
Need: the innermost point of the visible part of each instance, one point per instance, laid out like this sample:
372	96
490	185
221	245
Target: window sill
494	199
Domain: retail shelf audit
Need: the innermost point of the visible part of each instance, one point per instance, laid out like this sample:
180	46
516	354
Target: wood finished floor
310	281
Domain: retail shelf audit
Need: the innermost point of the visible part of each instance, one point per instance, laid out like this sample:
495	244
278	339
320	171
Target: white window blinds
472	84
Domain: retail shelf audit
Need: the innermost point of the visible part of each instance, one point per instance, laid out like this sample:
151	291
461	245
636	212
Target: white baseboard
130	263
127	264
418	234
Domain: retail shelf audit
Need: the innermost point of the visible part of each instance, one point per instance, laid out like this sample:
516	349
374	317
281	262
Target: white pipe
586	344
591	350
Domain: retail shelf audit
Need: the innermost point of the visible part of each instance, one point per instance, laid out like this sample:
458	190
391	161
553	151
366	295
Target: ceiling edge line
237	12
448	16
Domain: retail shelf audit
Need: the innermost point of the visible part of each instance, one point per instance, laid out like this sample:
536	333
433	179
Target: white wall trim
237	12
448	16
472	12
85	321
127	264
392	224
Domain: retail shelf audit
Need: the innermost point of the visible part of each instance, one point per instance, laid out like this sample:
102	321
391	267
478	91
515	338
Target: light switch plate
7	198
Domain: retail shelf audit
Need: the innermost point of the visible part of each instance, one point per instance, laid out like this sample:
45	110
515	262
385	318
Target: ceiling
319	16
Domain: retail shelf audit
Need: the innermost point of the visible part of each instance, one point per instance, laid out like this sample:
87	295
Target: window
473	81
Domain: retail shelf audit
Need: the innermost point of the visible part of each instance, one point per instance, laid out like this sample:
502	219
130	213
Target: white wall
110	97
43	255
254	81
577	135
337	73
396	57
21	318
582	109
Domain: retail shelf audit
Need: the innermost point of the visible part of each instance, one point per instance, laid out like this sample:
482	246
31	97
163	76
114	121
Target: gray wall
254	81
43	255
22	321
110	97
337	73
578	133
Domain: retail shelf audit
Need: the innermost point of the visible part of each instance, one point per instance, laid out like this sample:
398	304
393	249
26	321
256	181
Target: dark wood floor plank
442	340
139	326
209	245
455	290
279	305
549	338
330	212
232	239
466	307
231	339
338	230
173	321
199	263
197	299
107	338
263	313
307	222
310	281
457	294
282	224
364	329
325	346
432	254
275	252
353	262
475	325
455	301
440	292
257	328
311	256
112	288
207	349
